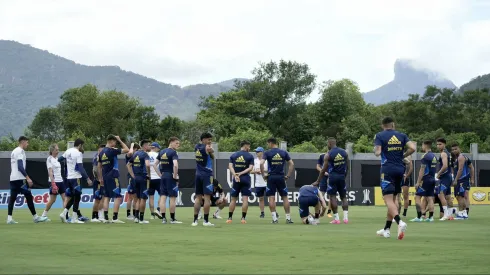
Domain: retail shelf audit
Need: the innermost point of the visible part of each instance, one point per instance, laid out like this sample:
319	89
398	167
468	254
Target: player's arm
130	167
232	169
410	149
22	170
444	164
409	168
148	167
220	191
318	166
131	150
377	146
323	171
323	203
210	150
156	165
99	172
79	167
347	167
421	173
290	168
248	170
125	148
472	174
176	169
460	169
262	161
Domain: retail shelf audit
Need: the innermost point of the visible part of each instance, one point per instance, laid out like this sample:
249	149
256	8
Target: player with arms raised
390	144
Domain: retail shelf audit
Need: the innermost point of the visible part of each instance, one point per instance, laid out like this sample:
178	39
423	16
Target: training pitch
259	247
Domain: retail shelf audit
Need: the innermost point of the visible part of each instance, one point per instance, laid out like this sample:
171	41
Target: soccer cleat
275	221
195	223
158	215
262	216
117	221
243	221
136	220
346	221
335	222
175	222
68	220
104	221
130	218
63	218
289	221
83	219
76	221
164	220
207	224
217	217
429	220
317	221
383	233
47	219
94	220
329	215
402	227
40	219
199	216
444	218
229	221
314	222
458	217
144	222
417	220
12	222
153	217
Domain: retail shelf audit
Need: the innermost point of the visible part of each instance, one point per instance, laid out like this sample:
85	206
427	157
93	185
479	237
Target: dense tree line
272	103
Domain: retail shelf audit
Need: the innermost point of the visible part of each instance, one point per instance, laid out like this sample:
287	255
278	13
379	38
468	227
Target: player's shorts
112	188
336	183
203	185
305	203
445	184
427	188
276	183
168	186
244	187
61	188
406	182
131	186
323	185
391	179
154	186
142	185
461	187
98	192
74	185
260	191
20	187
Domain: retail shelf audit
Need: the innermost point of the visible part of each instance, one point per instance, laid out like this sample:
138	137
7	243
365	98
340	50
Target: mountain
477	83
409	79
31	78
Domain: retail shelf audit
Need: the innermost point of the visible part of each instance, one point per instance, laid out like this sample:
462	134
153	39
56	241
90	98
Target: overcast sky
187	42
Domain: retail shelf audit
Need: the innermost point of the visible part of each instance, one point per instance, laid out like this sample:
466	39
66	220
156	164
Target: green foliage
47	124
255	137
364	145
305	147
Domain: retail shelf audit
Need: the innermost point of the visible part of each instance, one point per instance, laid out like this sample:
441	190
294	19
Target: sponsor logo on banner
366	199
477	195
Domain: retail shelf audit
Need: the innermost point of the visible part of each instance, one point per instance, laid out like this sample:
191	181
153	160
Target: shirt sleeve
231	159
48	163
131	159
377	140
79	158
117	151
264	155
176	156
287	157
319	161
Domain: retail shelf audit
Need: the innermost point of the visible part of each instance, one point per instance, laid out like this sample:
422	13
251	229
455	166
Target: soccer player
241	163
260	183
218	199
310	196
20	182
445	180
167	167
405	185
462	179
390	144
276	181
204	177
54	171
154	180
336	163
76	172
139	169
323	183
108	168
132	200
98	192
426	183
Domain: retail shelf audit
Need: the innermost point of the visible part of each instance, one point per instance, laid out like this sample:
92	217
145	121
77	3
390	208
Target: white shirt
17	154
73	156
153	172
54	164
259	180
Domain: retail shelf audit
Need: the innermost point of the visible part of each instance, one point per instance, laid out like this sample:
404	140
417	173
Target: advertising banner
478	195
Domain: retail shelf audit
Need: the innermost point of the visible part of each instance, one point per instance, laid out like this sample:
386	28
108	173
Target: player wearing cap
154	180
260	183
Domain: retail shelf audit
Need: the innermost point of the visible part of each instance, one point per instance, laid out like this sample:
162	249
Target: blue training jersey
448	170
430	161
321	160
308	191
204	162
392	148
276	160
466	174
108	159
138	160
241	161
166	158
337	158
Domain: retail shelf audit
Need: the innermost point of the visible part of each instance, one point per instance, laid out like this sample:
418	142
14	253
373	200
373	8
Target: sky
186	42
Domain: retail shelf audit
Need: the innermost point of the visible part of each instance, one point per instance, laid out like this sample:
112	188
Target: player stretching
462	179
155	180
323	183
132	200
108	168
167	167
445	180
276	181
405	185
310	196
76	172
389	144
426	183
139	169
54	171
241	163
336	163
20	182
260	183
204	177
98	192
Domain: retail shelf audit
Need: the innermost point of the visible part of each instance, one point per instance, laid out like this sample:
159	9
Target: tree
170	127
364	145
147	122
47	124
256	138
305	147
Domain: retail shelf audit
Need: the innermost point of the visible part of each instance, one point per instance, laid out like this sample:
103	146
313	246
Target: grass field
259	247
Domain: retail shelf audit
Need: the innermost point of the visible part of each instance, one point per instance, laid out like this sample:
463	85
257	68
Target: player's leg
270	192
391	187
283	192
109	185
173	192
14	192
449	200
130	204
198	183
207	187
77	195
260	193
430	200
442	199
30	203
117	202
342	190
154	187
52	199
234	193
406	199
246	192
467	200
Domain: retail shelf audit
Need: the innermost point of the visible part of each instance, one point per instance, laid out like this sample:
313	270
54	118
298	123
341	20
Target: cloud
186	42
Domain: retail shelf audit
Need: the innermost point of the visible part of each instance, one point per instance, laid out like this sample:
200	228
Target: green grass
258	247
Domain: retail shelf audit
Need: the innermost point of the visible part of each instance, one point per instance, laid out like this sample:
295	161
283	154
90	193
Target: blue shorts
445	184
142	185
75	187
391	180
154	186
244	187
304	205
259	192
461	188
203	185
131	186
276	183
168	186
112	188
323	185
336	183
427	188
61	188
20	187
97	191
